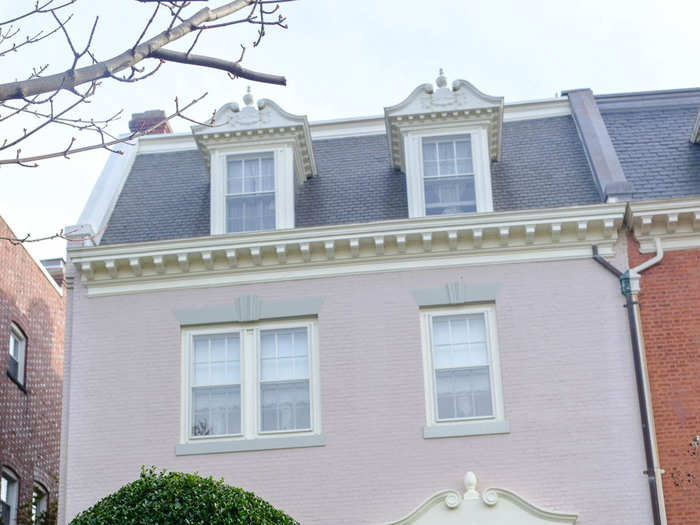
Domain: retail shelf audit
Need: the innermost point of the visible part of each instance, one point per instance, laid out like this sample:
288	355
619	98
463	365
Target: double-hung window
9	497
17	350
250	386
250	193
462	372
461	367
448	175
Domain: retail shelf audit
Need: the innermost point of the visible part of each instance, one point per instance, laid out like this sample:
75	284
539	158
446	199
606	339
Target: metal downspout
639	374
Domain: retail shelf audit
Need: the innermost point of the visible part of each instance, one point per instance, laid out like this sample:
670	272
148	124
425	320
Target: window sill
19	385
467	428
243	445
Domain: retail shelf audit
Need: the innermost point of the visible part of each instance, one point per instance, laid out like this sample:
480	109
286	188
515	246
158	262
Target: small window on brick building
9	497
17	350
40	500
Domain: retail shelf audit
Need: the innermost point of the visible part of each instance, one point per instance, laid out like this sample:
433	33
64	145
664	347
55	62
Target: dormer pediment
428	106
263	122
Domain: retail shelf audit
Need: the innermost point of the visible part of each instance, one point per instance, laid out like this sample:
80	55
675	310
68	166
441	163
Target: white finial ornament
248	97
470	485
441	80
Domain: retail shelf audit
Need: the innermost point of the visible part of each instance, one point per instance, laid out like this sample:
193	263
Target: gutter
65	404
630	283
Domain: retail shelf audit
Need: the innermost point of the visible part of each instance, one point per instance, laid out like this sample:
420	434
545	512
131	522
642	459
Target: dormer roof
260	122
428	105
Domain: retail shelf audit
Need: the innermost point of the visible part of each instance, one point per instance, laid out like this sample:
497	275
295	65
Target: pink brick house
346	316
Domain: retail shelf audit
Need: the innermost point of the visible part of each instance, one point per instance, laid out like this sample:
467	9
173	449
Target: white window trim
283	154
22	363
495	424
413	154
14	505
251	437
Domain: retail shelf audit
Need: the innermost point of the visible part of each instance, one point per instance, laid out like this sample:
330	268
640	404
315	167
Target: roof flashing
602	158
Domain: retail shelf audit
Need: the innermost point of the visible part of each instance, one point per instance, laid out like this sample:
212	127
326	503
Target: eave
459	240
676	221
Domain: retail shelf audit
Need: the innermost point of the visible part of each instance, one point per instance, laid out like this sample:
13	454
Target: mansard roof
543	164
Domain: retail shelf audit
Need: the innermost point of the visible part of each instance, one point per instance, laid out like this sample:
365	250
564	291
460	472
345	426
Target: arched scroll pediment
264	122
493	506
438	106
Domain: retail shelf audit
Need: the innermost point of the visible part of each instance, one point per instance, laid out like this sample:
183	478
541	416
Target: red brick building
32	314
670	324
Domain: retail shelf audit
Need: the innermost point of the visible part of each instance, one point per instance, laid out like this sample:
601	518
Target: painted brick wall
670	313
575	442
30	423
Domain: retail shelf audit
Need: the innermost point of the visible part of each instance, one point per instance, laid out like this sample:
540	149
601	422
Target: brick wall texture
574	445
30	422
670	313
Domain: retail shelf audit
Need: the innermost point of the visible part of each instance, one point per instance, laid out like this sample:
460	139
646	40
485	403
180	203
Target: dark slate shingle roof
654	148
166	196
543	165
355	183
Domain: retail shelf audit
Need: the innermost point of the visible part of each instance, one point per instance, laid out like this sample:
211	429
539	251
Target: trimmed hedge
166	498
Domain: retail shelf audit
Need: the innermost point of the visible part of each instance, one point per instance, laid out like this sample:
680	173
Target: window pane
429	151
446	151
268	202
464	166
463	393
251	174
441	330
216	410
267	170
477	329
285	406
216	360
284	354
234	182
463	148
430	169
449	195
250	212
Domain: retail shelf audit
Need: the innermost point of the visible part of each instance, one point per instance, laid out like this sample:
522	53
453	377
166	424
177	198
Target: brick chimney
148	119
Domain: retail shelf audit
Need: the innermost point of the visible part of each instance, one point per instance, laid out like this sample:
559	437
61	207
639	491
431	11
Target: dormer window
444	140
255	154
250	193
448	175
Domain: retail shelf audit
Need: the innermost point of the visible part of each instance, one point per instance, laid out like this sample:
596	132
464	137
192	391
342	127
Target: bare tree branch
216	63
25	161
44	8
75	77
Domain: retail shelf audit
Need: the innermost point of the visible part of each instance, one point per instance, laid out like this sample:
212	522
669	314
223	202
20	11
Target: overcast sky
351	58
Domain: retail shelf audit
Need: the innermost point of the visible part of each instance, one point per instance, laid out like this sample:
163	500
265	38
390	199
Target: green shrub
166	498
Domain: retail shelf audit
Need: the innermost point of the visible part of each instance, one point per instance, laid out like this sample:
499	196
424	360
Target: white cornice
675	221
488	238
166	143
558	107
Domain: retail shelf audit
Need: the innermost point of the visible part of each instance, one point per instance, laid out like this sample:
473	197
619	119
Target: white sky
351	58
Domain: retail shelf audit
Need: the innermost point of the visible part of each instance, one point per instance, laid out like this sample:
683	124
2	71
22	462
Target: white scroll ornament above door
493	507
